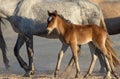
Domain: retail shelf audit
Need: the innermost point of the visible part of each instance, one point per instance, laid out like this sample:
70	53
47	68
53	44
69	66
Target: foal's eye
52	21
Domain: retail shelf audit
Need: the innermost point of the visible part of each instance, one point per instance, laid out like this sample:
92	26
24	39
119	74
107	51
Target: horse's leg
101	45
3	48
5	59
75	55
94	58
29	46
101	60
18	45
60	56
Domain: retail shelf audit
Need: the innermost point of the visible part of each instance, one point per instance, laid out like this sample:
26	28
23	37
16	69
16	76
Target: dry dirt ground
45	58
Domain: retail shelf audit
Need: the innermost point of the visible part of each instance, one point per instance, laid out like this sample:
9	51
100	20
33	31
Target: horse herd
28	18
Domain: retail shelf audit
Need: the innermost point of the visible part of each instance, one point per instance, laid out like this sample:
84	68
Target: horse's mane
61	16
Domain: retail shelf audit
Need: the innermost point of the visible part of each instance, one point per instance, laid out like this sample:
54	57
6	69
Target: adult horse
33	22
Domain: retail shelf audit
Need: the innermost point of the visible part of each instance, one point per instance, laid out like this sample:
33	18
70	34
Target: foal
74	35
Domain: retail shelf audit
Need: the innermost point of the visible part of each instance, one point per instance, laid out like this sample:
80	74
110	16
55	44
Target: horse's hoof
32	73
87	75
26	75
29	74
107	77
77	76
56	73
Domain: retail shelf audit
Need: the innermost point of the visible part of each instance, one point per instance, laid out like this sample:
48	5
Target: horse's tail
115	60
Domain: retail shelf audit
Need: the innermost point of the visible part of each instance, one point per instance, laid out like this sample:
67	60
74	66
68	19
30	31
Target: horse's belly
84	41
17	30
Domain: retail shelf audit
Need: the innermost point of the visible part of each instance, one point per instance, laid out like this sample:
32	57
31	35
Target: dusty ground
45	58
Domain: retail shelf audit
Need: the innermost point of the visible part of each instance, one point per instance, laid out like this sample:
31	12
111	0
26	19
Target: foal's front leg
75	55
94	58
71	63
60	56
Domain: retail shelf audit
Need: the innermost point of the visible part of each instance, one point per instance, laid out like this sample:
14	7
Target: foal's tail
115	60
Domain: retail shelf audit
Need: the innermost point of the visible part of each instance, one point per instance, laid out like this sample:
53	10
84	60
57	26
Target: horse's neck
64	27
7	7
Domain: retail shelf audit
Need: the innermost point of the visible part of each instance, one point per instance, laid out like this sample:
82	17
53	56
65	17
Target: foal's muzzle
47	31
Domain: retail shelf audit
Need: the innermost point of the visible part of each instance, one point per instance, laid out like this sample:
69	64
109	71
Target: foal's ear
55	12
48	13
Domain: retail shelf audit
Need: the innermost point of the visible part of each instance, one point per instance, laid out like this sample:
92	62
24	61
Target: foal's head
52	21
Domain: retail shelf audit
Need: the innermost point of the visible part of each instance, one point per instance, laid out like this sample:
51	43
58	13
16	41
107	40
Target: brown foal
74	35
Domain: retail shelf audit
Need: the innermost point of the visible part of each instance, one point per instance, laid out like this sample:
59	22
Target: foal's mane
68	21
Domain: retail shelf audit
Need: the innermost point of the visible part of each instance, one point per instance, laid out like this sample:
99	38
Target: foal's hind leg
18	45
107	57
108	60
112	66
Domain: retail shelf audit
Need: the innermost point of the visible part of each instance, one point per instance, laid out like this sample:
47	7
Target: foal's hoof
116	75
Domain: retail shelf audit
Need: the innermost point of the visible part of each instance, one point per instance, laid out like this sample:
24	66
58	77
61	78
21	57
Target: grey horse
28	18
